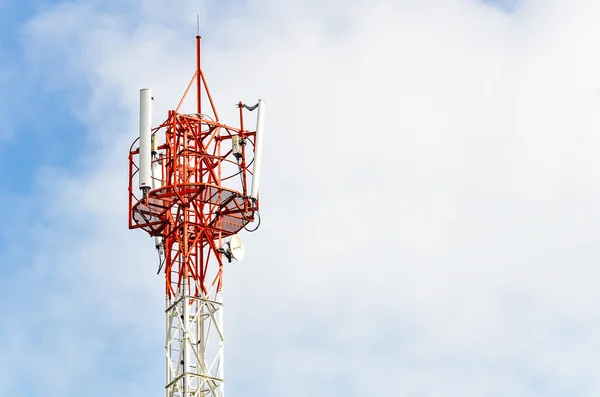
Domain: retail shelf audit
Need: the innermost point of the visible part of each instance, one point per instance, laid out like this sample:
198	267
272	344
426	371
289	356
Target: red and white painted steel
197	187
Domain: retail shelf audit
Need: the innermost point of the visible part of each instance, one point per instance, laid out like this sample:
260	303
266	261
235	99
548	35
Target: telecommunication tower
193	185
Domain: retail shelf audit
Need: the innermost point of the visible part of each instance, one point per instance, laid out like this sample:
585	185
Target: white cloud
429	202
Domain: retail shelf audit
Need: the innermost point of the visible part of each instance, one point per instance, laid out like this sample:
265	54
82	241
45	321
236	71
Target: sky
429	196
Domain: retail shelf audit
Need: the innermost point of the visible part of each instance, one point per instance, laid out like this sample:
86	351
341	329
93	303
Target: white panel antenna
145	163
260	132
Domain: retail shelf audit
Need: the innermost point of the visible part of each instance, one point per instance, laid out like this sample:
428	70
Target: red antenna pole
198	75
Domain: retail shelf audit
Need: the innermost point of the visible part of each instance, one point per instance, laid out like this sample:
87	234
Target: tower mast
197	200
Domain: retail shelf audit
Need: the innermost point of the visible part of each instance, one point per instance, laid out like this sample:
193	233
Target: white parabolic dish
236	247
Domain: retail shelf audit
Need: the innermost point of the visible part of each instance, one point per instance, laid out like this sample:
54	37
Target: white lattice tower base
194	346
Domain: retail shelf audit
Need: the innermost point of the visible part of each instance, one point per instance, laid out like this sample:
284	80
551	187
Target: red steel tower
193	185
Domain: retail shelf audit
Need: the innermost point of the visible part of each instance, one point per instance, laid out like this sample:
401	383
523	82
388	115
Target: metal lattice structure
199	196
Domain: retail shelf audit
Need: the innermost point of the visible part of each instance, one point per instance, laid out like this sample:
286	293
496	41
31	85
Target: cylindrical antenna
145	140
260	131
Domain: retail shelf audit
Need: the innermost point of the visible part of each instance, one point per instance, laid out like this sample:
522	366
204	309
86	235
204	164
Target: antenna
235	249
260	131
145	177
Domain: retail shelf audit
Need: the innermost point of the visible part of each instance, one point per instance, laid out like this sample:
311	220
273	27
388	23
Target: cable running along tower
193	185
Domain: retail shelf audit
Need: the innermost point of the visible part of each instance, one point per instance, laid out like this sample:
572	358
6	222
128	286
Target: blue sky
53	103
40	110
442	190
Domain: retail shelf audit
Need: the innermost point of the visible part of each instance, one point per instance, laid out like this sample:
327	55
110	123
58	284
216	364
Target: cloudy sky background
430	195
